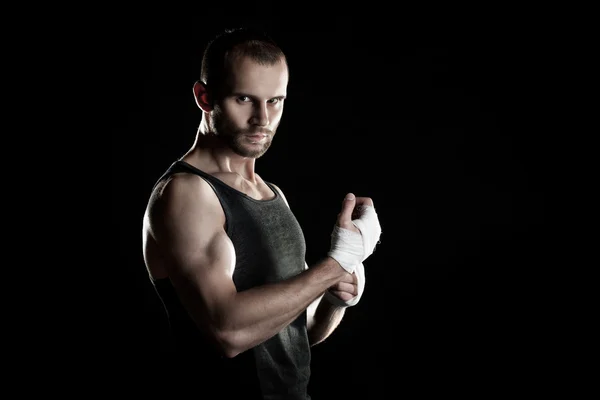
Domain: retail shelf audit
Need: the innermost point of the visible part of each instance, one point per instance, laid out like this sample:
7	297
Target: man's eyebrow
241	94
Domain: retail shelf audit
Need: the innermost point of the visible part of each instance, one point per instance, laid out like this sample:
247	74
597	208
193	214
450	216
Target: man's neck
210	155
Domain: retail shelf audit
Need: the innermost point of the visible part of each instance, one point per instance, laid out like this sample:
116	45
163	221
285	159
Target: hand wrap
350	248
346	248
370	229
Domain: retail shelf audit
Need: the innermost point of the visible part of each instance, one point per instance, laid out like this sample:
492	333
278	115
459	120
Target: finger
349	278
344	296
359	204
345	216
364	201
346	287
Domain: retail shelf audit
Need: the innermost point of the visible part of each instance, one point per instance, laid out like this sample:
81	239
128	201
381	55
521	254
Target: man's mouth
256	136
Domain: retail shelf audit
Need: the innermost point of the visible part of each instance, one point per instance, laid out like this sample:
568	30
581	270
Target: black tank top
269	246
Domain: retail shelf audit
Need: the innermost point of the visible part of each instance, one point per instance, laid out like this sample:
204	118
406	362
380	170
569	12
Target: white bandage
369	227
360	275
346	248
349	248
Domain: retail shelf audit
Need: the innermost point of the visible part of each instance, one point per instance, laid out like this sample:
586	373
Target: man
225	252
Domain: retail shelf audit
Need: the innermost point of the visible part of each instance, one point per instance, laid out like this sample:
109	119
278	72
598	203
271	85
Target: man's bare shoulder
181	186
182	193
182	225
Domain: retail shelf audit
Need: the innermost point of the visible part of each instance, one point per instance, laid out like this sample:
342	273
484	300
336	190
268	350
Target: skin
184	234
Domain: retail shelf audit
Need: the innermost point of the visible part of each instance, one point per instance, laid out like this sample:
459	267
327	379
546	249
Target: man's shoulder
182	188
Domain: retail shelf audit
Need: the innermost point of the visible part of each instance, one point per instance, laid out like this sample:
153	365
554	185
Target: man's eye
244	98
274	101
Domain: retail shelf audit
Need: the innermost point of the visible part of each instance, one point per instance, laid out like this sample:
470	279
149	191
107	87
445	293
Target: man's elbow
230	343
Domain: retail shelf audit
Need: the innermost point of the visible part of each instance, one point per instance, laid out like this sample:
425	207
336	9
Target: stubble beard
235	138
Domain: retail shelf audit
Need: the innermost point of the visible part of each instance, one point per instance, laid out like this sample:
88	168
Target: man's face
248	112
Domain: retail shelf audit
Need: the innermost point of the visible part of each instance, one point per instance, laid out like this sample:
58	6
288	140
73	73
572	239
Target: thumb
345	216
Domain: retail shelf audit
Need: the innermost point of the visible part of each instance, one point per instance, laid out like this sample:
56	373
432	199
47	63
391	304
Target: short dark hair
235	42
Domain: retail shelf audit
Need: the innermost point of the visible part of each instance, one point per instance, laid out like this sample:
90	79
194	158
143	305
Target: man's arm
187	223
322	319
322	316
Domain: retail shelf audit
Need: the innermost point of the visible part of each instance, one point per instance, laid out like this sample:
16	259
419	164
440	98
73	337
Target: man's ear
202	97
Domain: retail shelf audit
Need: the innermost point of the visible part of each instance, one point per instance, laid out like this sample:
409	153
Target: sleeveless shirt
269	247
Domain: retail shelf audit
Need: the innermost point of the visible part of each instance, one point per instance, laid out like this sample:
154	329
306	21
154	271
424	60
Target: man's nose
260	115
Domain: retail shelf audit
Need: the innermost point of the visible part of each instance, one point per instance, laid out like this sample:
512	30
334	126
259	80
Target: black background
438	123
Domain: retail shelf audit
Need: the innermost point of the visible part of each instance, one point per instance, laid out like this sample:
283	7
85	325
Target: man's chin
242	152
254	154
250	151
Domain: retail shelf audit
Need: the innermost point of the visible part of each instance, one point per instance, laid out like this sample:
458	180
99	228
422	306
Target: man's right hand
347	244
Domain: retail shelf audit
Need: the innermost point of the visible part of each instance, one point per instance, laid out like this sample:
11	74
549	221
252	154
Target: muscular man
227	255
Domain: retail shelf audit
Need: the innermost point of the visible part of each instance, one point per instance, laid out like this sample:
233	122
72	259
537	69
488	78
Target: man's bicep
203	278
199	257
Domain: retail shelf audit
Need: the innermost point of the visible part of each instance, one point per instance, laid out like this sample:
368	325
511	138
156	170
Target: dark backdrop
437	125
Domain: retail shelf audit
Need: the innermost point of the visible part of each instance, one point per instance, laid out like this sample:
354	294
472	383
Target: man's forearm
326	319
261	312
